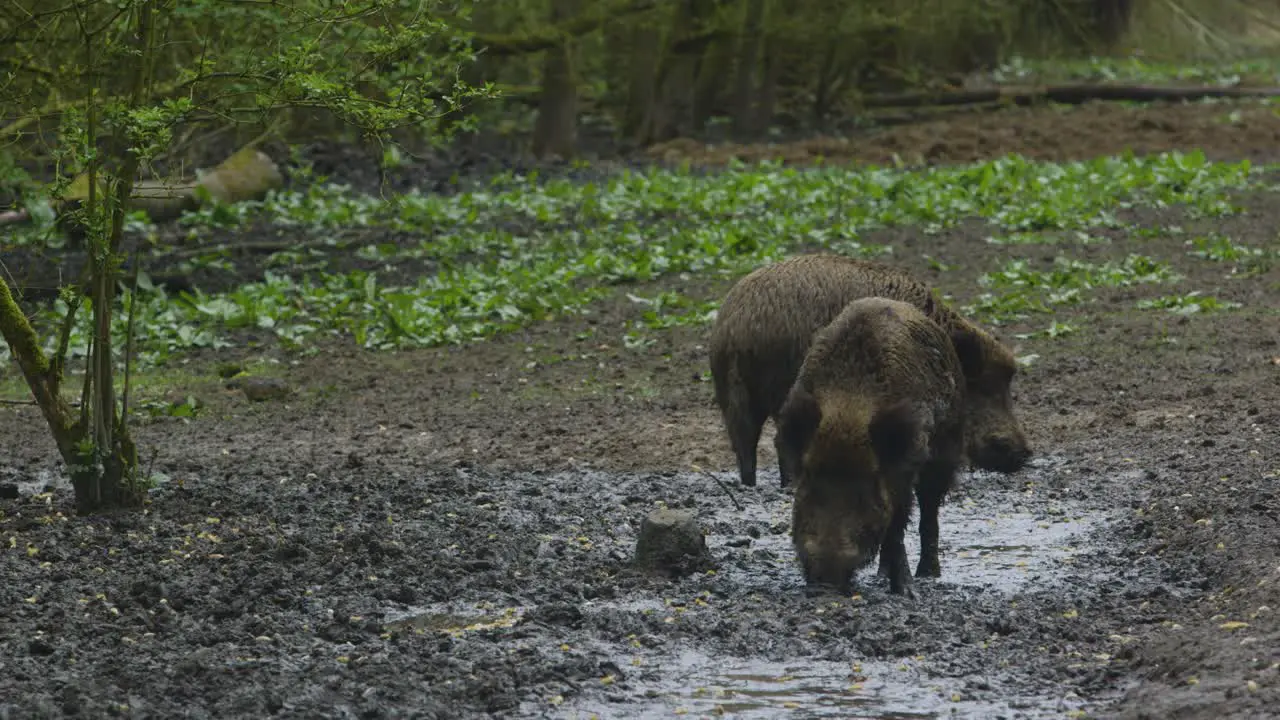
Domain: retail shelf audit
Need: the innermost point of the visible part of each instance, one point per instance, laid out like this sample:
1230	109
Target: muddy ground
445	533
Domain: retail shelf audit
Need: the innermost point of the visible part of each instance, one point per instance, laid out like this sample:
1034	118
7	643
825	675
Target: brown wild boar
768	319
875	417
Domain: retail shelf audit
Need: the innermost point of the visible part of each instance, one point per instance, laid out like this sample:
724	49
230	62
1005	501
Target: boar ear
799	419
893	432
969	349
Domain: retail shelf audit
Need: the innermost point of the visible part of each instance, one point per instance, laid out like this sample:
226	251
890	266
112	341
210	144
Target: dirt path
445	533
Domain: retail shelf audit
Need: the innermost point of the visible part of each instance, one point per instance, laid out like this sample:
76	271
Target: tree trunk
744	101
556	130
715	64
646	51
671	113
768	88
825	86
41	375
1112	21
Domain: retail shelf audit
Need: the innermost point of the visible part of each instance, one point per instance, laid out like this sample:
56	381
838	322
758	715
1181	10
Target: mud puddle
745	641
1001	547
26	484
453	619
693	684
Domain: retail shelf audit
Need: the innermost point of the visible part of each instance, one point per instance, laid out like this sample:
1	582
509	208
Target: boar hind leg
893	553
788	463
935	481
883	571
744	424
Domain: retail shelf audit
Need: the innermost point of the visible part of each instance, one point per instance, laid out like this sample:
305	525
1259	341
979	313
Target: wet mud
447	533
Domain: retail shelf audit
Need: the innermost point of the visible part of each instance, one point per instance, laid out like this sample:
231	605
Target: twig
723	487
4	401
129	344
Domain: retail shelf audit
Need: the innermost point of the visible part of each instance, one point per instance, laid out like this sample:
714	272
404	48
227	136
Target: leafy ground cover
436	269
1138	70
491	386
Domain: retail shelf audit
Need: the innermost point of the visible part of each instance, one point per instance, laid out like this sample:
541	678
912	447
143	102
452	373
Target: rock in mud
259	389
671	543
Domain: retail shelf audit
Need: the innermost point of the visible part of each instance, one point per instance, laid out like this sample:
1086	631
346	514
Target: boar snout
1002	453
833	569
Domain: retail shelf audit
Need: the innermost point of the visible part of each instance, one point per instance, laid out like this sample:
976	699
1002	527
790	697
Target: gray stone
671	543
259	389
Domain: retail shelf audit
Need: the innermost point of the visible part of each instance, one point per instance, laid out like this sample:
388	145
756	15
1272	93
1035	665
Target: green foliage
377	65
667	310
1019	70
1055	330
121	77
521	251
1018	289
1188	304
185	409
1078	237
1219	248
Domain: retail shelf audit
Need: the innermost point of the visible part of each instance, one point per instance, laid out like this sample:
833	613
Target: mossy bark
672	111
745	126
715	64
646	56
556	129
38	372
531	41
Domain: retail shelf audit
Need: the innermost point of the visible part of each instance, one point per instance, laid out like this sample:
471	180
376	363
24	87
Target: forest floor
446	532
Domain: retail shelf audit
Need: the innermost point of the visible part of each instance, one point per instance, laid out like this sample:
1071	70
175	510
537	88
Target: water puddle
1004	542
1004	551
29	484
452	619
692	684
981	547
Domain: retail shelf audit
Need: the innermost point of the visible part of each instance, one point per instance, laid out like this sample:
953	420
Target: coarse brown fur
767	321
875	416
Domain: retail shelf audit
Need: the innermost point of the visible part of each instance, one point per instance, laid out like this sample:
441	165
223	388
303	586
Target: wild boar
876	416
768	319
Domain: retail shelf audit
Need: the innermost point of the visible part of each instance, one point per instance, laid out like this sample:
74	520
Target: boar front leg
935	481
893	553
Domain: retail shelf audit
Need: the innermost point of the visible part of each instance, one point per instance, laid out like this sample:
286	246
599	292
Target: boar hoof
903	588
929	567
819	590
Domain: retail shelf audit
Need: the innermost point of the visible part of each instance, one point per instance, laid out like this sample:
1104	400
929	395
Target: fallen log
1065	94
247	175
9	217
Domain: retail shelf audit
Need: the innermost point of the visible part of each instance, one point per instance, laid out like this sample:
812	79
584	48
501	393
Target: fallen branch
723	487
10	217
247	175
1066	94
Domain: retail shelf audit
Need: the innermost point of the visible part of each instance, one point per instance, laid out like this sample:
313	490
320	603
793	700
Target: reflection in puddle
1003	549
1000	551
691	684
815	689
